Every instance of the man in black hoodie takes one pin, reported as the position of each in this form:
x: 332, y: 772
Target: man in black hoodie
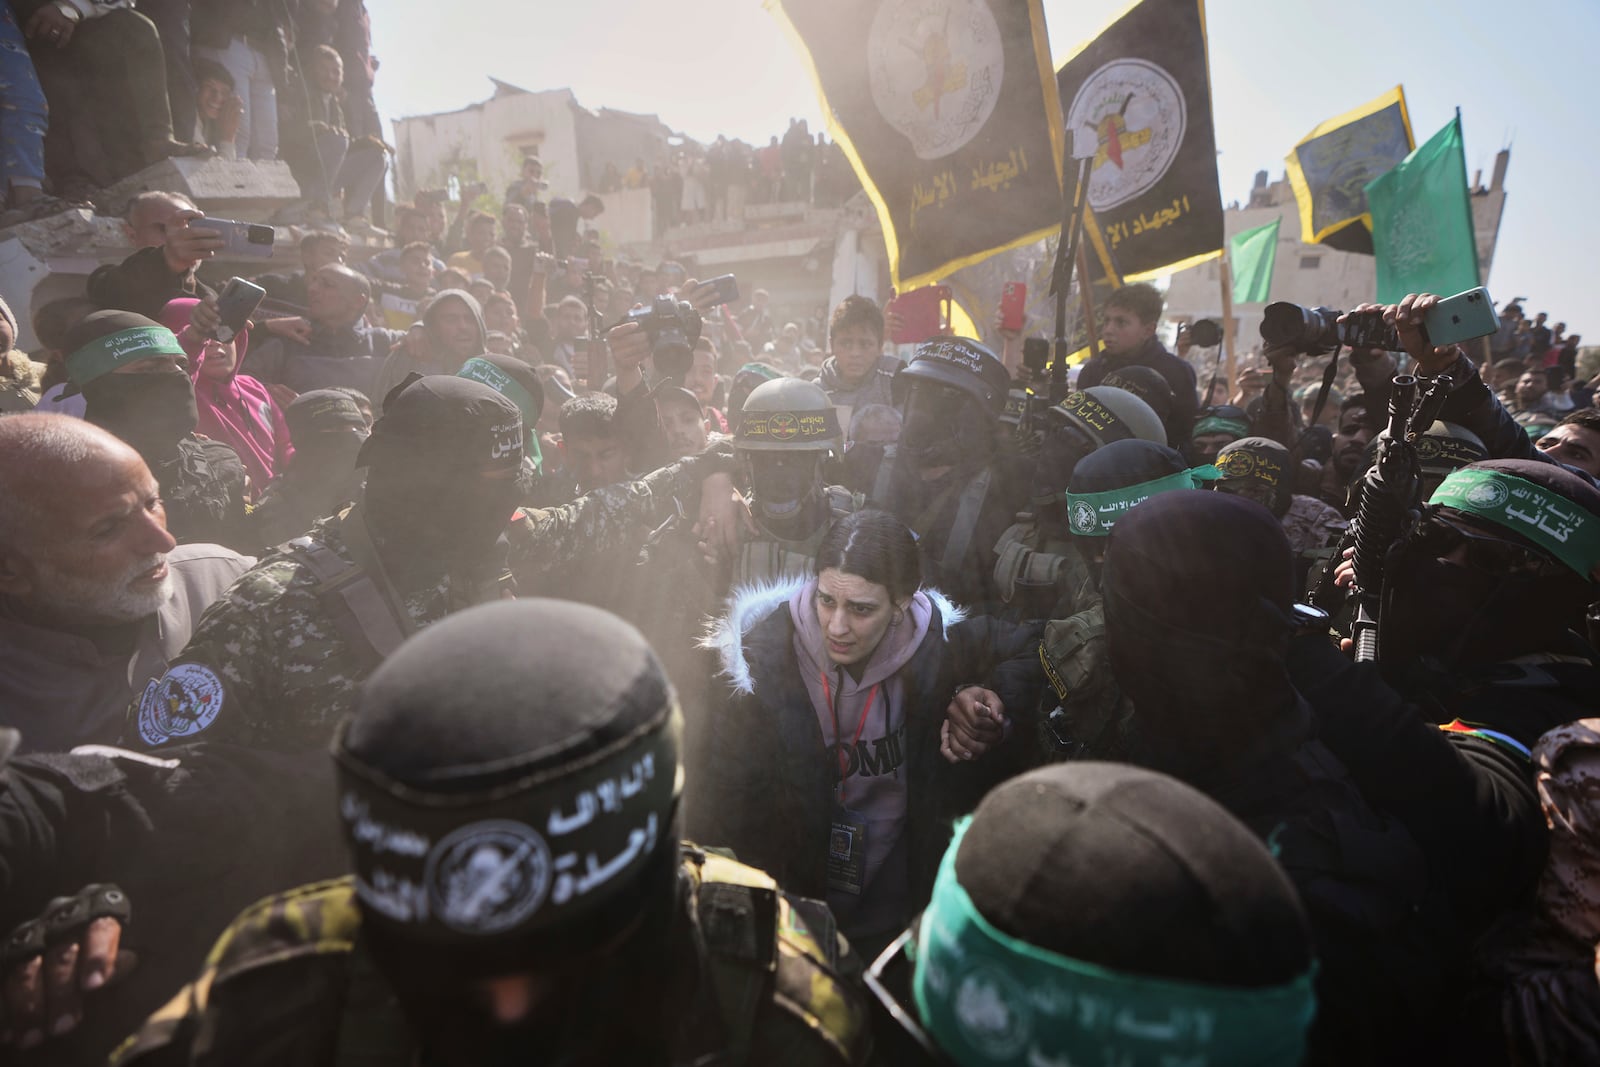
x: 1128, y: 338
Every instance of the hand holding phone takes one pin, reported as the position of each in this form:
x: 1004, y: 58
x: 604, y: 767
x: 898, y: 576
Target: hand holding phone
x: 727, y: 287
x: 1462, y: 317
x: 240, y: 238
x: 237, y: 303
x: 1013, y: 307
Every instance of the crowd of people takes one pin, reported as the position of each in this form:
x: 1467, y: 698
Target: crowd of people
x: 92, y: 91
x: 715, y: 182
x: 1015, y: 717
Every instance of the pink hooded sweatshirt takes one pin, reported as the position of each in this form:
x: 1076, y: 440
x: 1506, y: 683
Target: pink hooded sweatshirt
x: 239, y: 412
x: 873, y: 746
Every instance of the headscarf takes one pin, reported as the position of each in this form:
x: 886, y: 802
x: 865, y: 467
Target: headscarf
x: 238, y: 411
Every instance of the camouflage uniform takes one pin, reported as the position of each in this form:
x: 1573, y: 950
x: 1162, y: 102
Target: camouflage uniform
x: 1050, y: 579
x: 1312, y: 525
x: 270, y: 665
x: 291, y: 981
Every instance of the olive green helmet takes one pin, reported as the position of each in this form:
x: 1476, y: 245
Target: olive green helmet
x: 1109, y: 414
x: 788, y: 415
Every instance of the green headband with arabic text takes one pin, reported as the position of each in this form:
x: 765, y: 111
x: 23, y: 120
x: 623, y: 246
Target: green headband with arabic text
x: 105, y: 354
x: 989, y: 998
x: 1093, y: 514
x: 1549, y: 520
x: 479, y: 369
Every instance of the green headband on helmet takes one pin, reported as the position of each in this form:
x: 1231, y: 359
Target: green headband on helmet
x: 989, y: 998
x: 1549, y: 520
x: 1093, y: 514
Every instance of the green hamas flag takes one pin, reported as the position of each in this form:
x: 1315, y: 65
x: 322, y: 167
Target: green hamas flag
x: 1254, y: 253
x: 1422, y: 221
x: 1142, y: 90
x: 1329, y: 170
x: 947, y: 110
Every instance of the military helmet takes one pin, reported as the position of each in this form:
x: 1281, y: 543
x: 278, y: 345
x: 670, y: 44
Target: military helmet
x: 1108, y: 414
x: 1444, y: 447
x: 960, y: 363
x: 788, y: 415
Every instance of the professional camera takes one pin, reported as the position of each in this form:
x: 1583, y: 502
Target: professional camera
x: 1318, y: 331
x: 673, y: 327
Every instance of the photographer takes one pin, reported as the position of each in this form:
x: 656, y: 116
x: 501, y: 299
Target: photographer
x: 163, y: 268
x: 1471, y: 404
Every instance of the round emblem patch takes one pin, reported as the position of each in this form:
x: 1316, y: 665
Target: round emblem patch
x: 1138, y: 115
x: 783, y: 426
x: 487, y: 877
x: 1488, y: 495
x: 1084, y: 519
x: 180, y: 703
x: 992, y: 1013
x: 935, y: 67
x: 1237, y: 464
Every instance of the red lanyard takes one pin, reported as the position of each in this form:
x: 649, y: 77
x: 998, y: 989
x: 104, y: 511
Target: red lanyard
x: 844, y: 758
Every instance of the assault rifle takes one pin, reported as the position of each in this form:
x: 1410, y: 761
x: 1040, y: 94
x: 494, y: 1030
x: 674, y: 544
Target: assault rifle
x: 1391, y: 500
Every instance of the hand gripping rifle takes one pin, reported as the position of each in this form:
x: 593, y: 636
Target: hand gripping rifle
x: 1391, y: 500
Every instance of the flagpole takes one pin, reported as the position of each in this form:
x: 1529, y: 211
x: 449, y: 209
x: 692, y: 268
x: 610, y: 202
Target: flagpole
x: 1228, y: 353
x: 1091, y: 331
x: 1067, y: 246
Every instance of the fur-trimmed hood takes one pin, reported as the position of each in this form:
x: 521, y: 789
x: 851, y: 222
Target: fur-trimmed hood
x: 750, y: 604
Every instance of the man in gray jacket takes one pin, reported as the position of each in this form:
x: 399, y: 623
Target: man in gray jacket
x: 94, y: 596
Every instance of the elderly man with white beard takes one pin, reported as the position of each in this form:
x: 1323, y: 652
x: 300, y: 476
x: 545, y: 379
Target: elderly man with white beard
x: 94, y: 597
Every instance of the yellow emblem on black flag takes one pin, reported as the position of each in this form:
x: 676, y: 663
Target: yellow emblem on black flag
x: 1142, y: 91
x: 1330, y: 168
x: 947, y: 110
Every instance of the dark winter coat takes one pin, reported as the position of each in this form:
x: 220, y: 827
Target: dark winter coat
x: 770, y: 784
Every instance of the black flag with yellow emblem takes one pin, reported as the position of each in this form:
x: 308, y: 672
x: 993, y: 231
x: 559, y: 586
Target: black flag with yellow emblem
x: 1142, y: 90
x: 947, y: 110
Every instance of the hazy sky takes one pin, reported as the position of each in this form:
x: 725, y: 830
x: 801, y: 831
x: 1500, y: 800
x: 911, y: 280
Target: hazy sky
x: 1278, y: 67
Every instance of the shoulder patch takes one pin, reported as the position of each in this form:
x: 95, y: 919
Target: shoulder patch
x: 180, y: 703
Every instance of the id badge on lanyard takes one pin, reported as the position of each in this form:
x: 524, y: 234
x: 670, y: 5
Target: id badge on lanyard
x: 847, y: 831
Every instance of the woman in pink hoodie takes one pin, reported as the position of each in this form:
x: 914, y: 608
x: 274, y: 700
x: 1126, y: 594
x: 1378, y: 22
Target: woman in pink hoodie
x: 839, y: 760
x: 234, y: 408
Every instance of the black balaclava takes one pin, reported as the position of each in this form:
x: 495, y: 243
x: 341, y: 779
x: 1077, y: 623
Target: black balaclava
x: 787, y: 487
x: 151, y: 412
x: 946, y: 427
x: 1461, y: 616
x: 1259, y: 469
x: 1198, y: 590
x: 509, y: 785
x: 327, y: 429
x: 444, y: 473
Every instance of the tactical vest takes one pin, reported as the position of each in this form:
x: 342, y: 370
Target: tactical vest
x: 1040, y: 581
x: 761, y: 948
x: 969, y: 508
x: 767, y: 558
x: 370, y: 613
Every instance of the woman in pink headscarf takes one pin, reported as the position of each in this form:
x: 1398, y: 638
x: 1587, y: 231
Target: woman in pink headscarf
x: 234, y: 408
